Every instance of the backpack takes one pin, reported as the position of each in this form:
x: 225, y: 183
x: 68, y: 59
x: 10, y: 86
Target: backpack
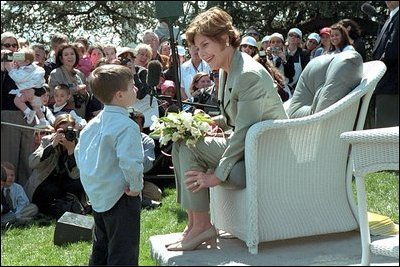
x: 69, y: 203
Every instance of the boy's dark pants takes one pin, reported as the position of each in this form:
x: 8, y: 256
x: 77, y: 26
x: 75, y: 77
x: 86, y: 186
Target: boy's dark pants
x: 116, y: 234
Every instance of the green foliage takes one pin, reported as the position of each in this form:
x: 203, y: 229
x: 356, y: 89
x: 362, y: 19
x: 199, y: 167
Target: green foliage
x: 123, y: 21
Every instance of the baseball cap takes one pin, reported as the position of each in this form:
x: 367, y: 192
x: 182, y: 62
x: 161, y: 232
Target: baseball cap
x: 325, y: 30
x: 249, y: 41
x: 296, y: 31
x: 167, y: 84
x: 314, y: 36
x: 265, y: 39
x: 276, y: 35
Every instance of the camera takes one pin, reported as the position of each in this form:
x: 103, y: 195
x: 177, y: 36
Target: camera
x: 79, y: 100
x: 70, y: 134
x: 13, y: 56
x: 275, y: 49
x: 262, y: 54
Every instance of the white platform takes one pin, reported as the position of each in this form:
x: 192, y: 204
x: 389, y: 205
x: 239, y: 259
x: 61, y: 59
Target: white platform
x: 342, y: 249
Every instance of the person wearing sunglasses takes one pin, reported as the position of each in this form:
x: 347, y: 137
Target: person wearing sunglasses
x: 16, y: 142
x: 298, y: 55
x: 249, y: 45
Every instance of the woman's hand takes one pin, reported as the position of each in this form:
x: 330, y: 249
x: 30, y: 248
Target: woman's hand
x: 197, y: 180
x: 81, y: 89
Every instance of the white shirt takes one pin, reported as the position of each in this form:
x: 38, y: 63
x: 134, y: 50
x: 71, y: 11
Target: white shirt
x: 188, y: 71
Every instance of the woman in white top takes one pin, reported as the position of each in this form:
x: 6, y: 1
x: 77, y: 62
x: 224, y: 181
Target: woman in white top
x: 340, y: 39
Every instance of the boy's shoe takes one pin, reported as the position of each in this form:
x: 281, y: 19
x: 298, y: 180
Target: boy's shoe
x: 30, y: 116
x: 42, y: 124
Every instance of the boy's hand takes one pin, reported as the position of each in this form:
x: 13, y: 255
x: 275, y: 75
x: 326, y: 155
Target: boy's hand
x: 131, y: 193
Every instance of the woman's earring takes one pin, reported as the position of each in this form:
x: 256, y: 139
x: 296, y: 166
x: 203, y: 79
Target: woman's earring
x: 227, y: 44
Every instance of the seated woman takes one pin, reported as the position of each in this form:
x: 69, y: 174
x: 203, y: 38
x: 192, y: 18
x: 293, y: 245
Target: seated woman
x: 248, y: 97
x: 55, y: 173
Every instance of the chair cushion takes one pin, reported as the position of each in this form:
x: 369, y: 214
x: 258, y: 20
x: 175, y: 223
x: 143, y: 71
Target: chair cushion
x: 325, y: 80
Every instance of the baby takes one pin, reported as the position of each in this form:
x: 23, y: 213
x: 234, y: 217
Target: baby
x: 29, y: 79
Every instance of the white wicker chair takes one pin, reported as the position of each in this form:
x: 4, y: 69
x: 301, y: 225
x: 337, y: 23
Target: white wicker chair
x: 297, y: 180
x: 373, y: 150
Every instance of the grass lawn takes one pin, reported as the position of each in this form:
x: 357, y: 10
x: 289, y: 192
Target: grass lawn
x: 33, y: 245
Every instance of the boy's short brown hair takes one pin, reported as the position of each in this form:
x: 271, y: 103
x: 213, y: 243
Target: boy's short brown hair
x: 63, y: 87
x: 108, y: 79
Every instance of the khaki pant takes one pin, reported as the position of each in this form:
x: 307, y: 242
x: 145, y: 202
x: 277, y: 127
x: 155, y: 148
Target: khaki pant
x: 205, y: 155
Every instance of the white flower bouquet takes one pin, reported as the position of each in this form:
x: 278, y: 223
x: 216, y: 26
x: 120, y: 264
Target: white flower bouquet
x: 181, y: 126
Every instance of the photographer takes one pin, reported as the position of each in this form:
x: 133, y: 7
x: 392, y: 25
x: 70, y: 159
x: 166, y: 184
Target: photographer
x: 55, y: 174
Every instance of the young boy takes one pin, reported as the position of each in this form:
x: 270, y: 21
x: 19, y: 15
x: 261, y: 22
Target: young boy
x: 17, y: 201
x: 109, y: 155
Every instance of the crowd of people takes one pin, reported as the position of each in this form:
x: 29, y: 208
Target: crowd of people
x: 77, y: 86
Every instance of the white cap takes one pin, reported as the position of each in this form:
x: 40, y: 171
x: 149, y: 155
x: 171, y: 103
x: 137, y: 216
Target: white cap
x: 314, y: 36
x: 296, y: 31
x: 125, y: 49
x: 265, y: 39
x: 249, y: 41
x: 276, y: 35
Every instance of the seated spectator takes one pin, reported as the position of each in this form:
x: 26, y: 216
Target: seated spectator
x: 55, y: 173
x: 20, y: 208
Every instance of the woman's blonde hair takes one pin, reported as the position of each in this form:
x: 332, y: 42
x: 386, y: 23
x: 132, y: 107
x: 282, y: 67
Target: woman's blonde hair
x: 213, y: 23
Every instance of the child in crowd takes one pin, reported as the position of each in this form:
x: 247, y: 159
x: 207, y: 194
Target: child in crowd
x: 48, y: 114
x: 151, y: 194
x: 110, y: 51
x: 109, y: 155
x: 62, y: 94
x: 15, y: 199
x: 29, y: 79
x: 168, y: 91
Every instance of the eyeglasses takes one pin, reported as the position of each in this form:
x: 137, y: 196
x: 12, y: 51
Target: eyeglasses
x: 294, y: 35
x: 9, y: 45
x: 246, y: 45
